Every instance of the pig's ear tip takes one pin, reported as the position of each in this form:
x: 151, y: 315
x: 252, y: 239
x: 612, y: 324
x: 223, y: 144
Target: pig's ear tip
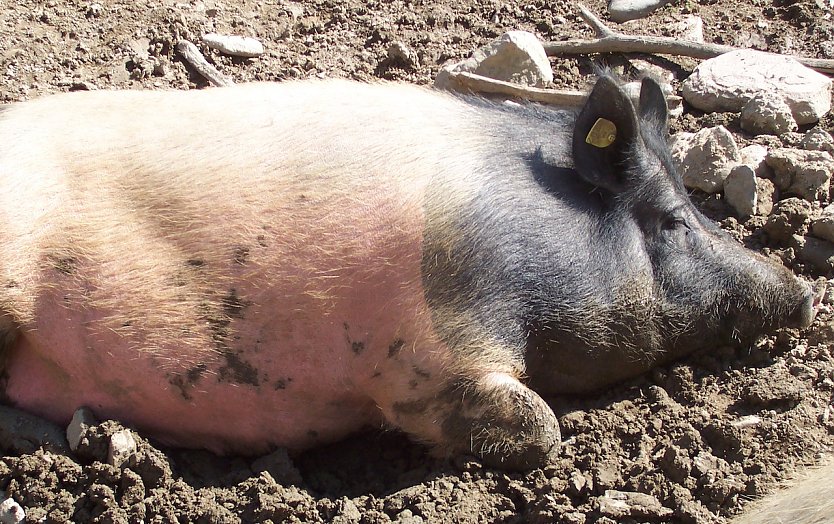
x: 652, y: 105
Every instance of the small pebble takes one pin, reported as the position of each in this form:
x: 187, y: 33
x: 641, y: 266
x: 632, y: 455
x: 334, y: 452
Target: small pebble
x: 234, y: 45
x: 122, y: 447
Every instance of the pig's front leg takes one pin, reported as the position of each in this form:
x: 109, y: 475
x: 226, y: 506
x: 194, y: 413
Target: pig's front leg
x: 494, y: 417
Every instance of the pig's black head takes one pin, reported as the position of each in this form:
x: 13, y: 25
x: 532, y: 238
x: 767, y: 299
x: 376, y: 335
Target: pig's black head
x: 660, y: 279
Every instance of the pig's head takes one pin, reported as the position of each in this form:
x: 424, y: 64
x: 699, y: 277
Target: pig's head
x: 662, y: 280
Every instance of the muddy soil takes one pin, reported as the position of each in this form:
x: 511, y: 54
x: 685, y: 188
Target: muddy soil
x: 682, y: 434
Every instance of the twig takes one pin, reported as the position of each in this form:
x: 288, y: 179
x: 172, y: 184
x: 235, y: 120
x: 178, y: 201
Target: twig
x: 193, y: 56
x: 558, y: 97
x: 482, y: 84
x: 610, y: 41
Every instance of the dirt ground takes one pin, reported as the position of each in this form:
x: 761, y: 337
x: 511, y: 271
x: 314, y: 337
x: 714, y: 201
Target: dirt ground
x: 673, y: 434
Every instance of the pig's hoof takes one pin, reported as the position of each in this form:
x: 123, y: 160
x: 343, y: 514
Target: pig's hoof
x: 506, y: 424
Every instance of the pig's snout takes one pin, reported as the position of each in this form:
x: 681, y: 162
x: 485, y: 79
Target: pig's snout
x: 806, y: 311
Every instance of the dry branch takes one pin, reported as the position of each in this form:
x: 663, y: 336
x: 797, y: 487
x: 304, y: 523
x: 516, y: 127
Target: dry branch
x: 558, y: 97
x: 193, y: 56
x: 610, y: 41
x: 482, y: 84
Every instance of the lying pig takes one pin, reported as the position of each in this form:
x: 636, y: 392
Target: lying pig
x: 282, y: 264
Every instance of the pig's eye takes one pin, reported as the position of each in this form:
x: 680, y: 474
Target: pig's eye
x: 675, y: 224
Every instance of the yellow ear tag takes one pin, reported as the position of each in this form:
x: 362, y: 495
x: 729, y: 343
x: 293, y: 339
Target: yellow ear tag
x: 602, y: 133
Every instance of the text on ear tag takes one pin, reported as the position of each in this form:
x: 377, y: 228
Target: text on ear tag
x: 602, y: 133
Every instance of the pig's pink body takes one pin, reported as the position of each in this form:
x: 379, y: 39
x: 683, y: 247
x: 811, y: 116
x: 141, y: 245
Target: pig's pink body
x: 230, y: 284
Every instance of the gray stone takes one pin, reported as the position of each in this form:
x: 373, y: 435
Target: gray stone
x: 675, y: 103
x: 401, y: 53
x: 754, y: 156
x: 802, y: 173
x: 706, y: 464
x: 823, y: 227
x: 625, y: 10
x: 618, y: 504
x: 280, y: 466
x: 790, y: 216
x: 122, y: 447
x: 727, y: 82
x: 689, y: 27
x: 748, y: 194
x: 82, y: 419
x: 767, y: 114
x: 816, y: 252
x: 656, y: 71
x: 818, y: 139
x: 518, y: 56
x: 10, y: 511
x: 577, y: 483
x: 243, y: 46
x: 706, y: 158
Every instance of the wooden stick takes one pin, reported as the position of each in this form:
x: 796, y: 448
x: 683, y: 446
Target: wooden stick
x: 482, y: 84
x: 193, y: 56
x: 558, y: 97
x: 610, y: 41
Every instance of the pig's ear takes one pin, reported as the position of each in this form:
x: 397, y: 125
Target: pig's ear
x: 602, y: 136
x: 653, y: 107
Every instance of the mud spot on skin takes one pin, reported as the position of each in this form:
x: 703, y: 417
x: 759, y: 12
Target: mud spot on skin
x: 395, y: 347
x: 357, y: 346
x: 185, y: 382
x: 282, y: 383
x: 261, y: 239
x: 237, y: 370
x: 195, y: 262
x: 313, y: 434
x: 376, y: 374
x: 241, y: 255
x: 233, y: 305
x: 65, y: 265
x: 422, y: 373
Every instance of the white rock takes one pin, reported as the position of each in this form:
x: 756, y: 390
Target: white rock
x: 234, y: 45
x: 706, y: 158
x: 577, y: 482
x: 767, y: 114
x: 624, y: 10
x: 280, y: 467
x: 727, y: 82
x: 122, y: 447
x: 748, y: 194
x: 690, y: 27
x: 82, y: 419
x: 11, y: 512
x: 819, y: 140
x: 754, y: 156
x: 675, y: 103
x: 823, y: 227
x: 802, y: 173
x: 400, y: 52
x: 818, y: 253
x: 747, y: 421
x: 618, y: 504
x: 518, y: 56
x: 647, y: 68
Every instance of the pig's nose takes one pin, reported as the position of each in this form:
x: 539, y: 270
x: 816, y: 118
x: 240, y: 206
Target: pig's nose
x: 804, y: 314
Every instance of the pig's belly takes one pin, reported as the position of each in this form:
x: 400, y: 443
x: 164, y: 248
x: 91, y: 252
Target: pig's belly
x: 288, y: 380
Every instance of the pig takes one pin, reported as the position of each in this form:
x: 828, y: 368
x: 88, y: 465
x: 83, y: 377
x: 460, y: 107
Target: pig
x: 808, y: 499
x: 283, y: 264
